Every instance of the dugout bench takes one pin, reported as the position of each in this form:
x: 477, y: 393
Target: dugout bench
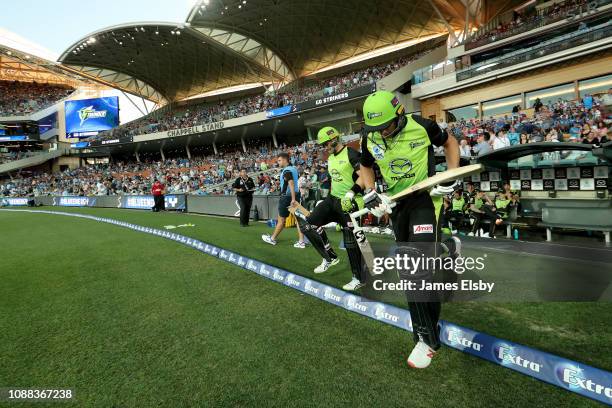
x: 588, y: 219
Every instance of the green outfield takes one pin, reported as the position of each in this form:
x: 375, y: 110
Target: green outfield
x: 132, y: 320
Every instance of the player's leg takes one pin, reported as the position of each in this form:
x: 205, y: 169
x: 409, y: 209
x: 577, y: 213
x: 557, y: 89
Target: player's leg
x: 283, y: 213
x: 301, y: 244
x: 416, y: 229
x: 492, y: 216
x: 312, y: 227
x: 477, y: 219
x: 353, y: 252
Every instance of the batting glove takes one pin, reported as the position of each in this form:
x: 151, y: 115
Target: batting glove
x: 378, y: 204
x: 444, y: 189
x: 347, y: 201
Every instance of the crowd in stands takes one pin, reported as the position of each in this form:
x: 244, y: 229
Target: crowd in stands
x: 223, y: 110
x: 586, y: 121
x: 200, y: 175
x: 527, y: 19
x: 23, y: 98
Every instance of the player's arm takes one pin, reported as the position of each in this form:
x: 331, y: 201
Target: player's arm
x: 366, y: 163
x: 378, y: 204
x: 355, y: 160
x: 290, y: 184
x: 438, y: 137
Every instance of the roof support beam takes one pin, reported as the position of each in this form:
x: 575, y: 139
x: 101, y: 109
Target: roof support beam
x: 450, y: 29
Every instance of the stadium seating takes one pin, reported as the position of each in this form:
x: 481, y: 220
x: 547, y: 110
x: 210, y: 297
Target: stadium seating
x: 24, y: 98
x: 228, y: 109
x: 523, y: 21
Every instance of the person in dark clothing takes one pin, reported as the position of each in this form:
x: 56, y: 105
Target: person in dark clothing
x: 158, y: 190
x: 244, y: 187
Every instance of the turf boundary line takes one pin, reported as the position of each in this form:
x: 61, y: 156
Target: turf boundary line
x: 576, y: 377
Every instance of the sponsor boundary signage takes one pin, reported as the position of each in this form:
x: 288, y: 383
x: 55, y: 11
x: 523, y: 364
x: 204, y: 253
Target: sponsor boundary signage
x: 570, y: 375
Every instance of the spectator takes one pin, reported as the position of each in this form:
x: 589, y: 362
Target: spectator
x: 324, y: 182
x: 501, y: 140
x: 483, y: 146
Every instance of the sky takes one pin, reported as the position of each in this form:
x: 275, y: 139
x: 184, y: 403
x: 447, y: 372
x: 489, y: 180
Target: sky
x: 56, y: 24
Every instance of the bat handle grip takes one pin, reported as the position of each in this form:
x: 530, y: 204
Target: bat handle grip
x: 359, y: 213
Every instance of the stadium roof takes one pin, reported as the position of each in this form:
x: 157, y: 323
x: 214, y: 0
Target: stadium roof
x: 23, y: 60
x: 162, y: 61
x: 227, y: 43
x: 308, y: 36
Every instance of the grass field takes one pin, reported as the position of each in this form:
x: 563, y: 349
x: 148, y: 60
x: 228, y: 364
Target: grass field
x: 132, y: 320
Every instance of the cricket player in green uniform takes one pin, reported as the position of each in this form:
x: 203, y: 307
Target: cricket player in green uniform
x: 345, y: 196
x: 402, y: 146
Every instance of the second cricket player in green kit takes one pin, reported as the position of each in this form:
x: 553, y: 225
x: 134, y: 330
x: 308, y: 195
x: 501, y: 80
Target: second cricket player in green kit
x: 345, y: 196
x: 402, y: 146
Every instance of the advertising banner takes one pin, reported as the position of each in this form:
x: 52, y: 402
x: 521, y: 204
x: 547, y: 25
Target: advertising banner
x: 88, y: 117
x: 145, y: 202
x: 284, y: 110
x: 339, y: 97
x: 74, y: 201
x: 116, y: 140
x: 17, y: 201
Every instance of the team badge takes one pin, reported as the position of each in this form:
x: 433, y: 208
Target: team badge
x: 378, y: 153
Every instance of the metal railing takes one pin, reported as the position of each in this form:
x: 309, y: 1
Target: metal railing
x: 555, y: 45
x: 540, y: 21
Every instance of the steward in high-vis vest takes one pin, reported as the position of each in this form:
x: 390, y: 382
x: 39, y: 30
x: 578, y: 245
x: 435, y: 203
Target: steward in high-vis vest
x: 402, y: 146
x: 345, y: 196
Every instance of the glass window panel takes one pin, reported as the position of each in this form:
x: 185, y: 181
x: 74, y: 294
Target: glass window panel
x: 466, y: 112
x: 500, y: 106
x: 551, y: 95
x: 595, y: 86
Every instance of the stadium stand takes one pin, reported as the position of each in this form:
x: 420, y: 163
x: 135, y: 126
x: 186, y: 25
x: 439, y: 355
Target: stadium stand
x: 562, y: 120
x: 526, y: 19
x: 23, y: 98
x: 199, y: 175
x: 291, y: 94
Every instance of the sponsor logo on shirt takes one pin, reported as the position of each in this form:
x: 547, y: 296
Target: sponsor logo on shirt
x: 423, y: 229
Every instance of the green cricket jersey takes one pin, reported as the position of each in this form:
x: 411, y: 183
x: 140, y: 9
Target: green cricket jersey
x: 341, y: 167
x: 458, y: 204
x: 406, y: 159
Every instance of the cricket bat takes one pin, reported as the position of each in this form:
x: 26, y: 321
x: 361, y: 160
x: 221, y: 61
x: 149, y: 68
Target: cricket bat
x: 445, y: 176
x: 299, y: 211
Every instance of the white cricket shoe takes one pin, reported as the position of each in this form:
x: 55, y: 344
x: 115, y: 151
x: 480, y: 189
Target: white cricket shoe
x: 485, y: 235
x: 421, y: 355
x: 300, y: 245
x: 326, y: 265
x: 268, y: 239
x: 470, y: 234
x: 354, y: 284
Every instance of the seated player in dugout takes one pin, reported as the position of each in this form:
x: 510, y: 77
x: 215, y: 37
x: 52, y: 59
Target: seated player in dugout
x: 402, y: 146
x: 345, y: 197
